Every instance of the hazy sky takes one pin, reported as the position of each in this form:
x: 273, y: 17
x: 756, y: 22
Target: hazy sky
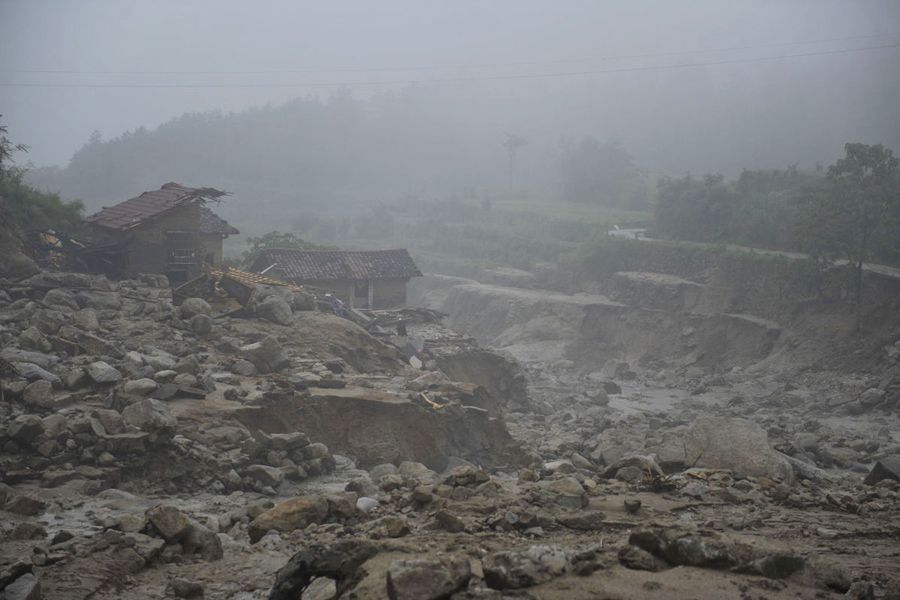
x: 320, y: 44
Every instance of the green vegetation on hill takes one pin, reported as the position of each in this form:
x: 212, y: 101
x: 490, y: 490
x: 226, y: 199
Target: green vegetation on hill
x: 849, y: 212
x: 31, y: 209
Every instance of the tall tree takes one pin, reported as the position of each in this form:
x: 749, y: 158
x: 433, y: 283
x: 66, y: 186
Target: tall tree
x: 7, y: 148
x: 856, y: 209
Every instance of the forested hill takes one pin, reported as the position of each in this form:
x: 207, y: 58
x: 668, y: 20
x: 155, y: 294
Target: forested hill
x: 434, y: 141
x: 307, y: 151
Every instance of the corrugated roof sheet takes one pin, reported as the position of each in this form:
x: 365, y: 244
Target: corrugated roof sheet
x: 252, y: 279
x: 306, y: 265
x: 135, y: 211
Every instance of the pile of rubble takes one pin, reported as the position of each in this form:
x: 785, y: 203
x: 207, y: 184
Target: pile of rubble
x: 195, y: 448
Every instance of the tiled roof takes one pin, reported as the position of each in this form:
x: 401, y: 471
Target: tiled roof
x: 210, y: 222
x: 306, y: 265
x: 135, y: 211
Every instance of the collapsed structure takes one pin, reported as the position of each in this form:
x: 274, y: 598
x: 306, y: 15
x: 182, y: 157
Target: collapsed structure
x: 170, y: 231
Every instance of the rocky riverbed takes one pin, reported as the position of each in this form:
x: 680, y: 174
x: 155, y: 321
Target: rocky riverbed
x: 152, y: 450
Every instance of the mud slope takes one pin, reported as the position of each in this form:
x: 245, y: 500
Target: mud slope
x: 653, y: 318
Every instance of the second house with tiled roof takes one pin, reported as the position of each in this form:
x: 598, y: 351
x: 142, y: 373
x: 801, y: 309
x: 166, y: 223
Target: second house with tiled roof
x: 361, y: 278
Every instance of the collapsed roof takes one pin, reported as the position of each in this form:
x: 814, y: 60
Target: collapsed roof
x: 136, y: 211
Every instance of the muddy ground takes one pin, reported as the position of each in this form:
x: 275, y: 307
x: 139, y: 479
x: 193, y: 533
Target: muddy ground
x: 608, y: 444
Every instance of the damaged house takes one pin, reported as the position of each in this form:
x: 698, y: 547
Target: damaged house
x: 361, y: 278
x: 170, y: 231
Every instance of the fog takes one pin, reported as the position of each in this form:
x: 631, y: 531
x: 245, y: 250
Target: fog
x: 411, y: 97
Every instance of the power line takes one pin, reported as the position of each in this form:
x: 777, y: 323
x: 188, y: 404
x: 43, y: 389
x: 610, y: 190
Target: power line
x: 445, y: 67
x: 450, y: 79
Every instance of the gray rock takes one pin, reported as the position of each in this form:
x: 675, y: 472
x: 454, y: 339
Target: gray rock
x: 630, y: 474
x: 91, y: 344
x: 16, y: 355
x: 588, y: 520
x: 736, y: 444
x: 33, y: 372
x: 150, y: 415
x: 379, y: 471
x: 886, y: 468
x: 558, y: 466
x: 98, y: 299
x: 25, y: 428
x: 171, y: 524
x: 295, y: 513
x: 76, y: 378
x: 86, y: 319
x: 165, y: 376
x: 49, y: 321
x: 39, y: 394
x: 26, y: 587
x: 61, y: 298
x: 416, y: 471
x: 244, y: 367
x: 285, y: 441
x: 267, y: 355
x: 182, y: 588
x: 316, y: 450
x: 513, y: 569
x: 24, y: 504
x: 185, y: 380
x: 567, y: 492
x: 188, y: 364
x: 160, y: 361
x: 201, y: 324
x: 639, y: 559
x: 203, y: 541
x: 449, y: 521
x: 275, y: 309
x: 139, y: 387
x: 194, y: 306
x: 303, y: 301
x: 366, y: 504
x: 101, y: 372
x: 111, y: 420
x: 265, y: 475
x: 32, y: 339
x: 427, y: 579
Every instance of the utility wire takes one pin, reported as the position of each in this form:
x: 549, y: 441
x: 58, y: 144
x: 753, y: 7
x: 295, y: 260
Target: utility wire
x: 546, y: 75
x: 446, y: 67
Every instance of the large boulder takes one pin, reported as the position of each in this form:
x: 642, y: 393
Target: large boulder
x: 296, y: 513
x: 886, y: 468
x: 427, y: 579
x: 39, y: 394
x: 99, y: 299
x: 339, y: 562
x: 171, y: 524
x: 738, y: 445
x: 512, y: 569
x: 266, y: 355
x: 26, y: 587
x: 150, y: 415
x: 101, y: 372
x: 275, y: 309
x: 194, y: 306
x: 25, y: 428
